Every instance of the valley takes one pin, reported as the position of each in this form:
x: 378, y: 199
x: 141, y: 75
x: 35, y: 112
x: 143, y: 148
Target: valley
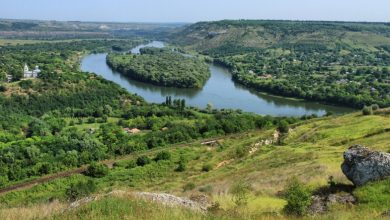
x: 259, y: 130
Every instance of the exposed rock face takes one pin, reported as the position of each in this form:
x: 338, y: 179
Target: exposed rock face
x: 320, y: 203
x: 362, y: 165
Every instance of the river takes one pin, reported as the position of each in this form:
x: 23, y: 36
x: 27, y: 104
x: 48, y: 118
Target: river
x: 220, y: 91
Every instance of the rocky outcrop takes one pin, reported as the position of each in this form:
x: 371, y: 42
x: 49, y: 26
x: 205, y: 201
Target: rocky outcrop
x: 171, y: 200
x: 362, y: 165
x: 321, y: 203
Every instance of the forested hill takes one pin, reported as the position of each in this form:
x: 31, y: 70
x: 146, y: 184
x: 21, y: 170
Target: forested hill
x: 251, y: 34
x: 333, y: 62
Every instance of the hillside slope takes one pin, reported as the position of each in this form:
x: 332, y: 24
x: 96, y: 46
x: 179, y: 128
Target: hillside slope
x: 311, y: 152
x: 335, y: 62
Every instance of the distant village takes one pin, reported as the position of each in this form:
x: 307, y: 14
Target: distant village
x: 27, y: 73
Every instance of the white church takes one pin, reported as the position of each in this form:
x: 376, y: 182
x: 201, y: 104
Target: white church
x: 31, y: 74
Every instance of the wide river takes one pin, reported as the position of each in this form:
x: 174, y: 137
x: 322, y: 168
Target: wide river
x: 220, y: 91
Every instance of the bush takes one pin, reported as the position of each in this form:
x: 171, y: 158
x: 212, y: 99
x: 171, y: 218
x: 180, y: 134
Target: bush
x: 207, y: 167
x: 188, y: 187
x: 240, y: 152
x: 240, y: 192
x: 3, y: 88
x: 80, y: 189
x: 206, y: 189
x: 375, y: 107
x: 298, y: 198
x: 97, y: 170
x: 131, y: 164
x: 367, y: 110
x: 143, y: 160
x: 91, y: 120
x: 283, y: 126
x: 163, y: 155
x: 182, y: 165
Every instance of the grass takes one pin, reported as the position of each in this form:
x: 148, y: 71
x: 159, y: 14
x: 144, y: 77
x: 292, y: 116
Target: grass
x: 311, y: 152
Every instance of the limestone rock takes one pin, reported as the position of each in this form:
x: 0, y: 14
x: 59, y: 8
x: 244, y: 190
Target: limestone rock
x: 362, y: 165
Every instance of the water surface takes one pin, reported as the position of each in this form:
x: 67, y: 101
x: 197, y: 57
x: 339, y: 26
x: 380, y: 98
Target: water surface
x: 219, y: 90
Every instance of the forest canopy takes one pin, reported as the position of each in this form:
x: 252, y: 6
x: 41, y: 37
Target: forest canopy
x: 161, y: 67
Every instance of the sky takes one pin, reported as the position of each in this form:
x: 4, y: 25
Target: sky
x: 195, y: 10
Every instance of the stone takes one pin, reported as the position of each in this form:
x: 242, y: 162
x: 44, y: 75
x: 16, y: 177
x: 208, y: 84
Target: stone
x: 320, y: 203
x: 362, y: 165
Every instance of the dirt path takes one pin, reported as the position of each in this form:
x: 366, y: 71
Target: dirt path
x: 109, y: 163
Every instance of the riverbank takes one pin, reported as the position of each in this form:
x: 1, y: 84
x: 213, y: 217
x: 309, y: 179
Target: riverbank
x: 220, y: 91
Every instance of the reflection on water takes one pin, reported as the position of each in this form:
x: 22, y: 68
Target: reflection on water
x: 219, y: 90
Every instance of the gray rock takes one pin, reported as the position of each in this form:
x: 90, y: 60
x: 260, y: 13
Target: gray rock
x: 362, y: 165
x: 320, y: 203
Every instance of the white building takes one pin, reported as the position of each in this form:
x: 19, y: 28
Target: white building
x: 31, y: 74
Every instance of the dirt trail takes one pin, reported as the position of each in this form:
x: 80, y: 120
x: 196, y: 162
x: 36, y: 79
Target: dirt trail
x: 109, y: 163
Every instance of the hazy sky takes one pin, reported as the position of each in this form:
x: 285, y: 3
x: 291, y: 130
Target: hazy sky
x: 195, y: 10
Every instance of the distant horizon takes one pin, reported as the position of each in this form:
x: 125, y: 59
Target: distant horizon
x: 183, y: 22
x: 191, y: 11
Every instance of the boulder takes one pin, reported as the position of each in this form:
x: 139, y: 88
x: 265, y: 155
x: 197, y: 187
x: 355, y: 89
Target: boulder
x: 362, y: 165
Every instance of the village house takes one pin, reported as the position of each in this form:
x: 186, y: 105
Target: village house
x: 31, y: 74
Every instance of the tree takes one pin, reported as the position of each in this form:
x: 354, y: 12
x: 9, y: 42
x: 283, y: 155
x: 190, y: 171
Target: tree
x: 143, y: 160
x: 97, y: 170
x: 163, y: 155
x: 283, y: 126
x: 183, y: 104
x: 367, y: 110
x: 209, y: 107
x: 107, y: 110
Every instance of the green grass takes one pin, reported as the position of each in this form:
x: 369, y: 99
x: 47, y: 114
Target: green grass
x: 312, y: 152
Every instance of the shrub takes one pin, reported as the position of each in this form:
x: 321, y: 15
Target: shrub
x: 240, y: 192
x: 367, y: 110
x: 80, y: 189
x: 143, y: 160
x: 207, y: 167
x: 240, y: 152
x: 188, y: 187
x: 3, y: 180
x: 163, y: 155
x: 182, y: 165
x: 206, y: 189
x: 97, y: 170
x: 91, y: 120
x: 283, y: 126
x: 298, y: 198
x: 3, y: 88
x: 375, y: 107
x: 131, y: 164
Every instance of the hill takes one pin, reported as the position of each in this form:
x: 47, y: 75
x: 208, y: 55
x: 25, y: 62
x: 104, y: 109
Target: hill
x: 335, y: 62
x: 312, y: 151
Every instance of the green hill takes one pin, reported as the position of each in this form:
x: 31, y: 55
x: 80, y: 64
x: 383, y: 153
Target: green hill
x: 312, y: 151
x: 335, y: 62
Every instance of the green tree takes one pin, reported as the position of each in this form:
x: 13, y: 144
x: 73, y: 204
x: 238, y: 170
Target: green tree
x: 97, y: 170
x: 143, y: 160
x: 163, y: 155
